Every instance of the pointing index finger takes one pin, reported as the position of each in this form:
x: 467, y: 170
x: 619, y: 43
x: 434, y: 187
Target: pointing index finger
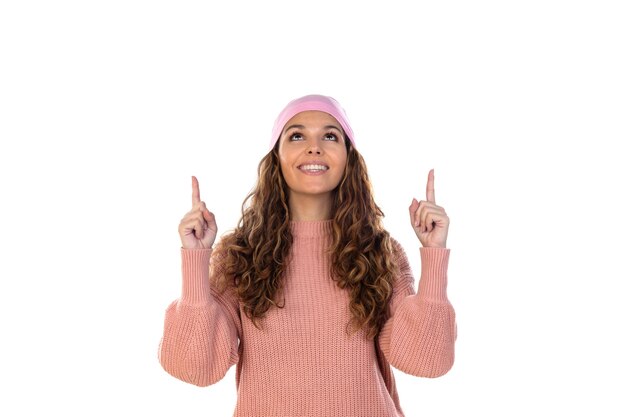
x: 430, y: 186
x: 195, y: 191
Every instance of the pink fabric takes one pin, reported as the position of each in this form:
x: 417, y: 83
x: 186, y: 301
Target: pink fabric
x: 312, y: 102
x: 301, y: 362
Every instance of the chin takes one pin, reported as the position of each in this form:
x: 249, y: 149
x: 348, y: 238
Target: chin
x: 312, y: 192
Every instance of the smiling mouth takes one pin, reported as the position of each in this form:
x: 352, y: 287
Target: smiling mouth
x: 313, y: 167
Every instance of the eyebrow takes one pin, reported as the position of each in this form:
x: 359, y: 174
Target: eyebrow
x: 304, y: 127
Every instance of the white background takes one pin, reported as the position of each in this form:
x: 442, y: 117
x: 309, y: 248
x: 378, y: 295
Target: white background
x: 108, y: 108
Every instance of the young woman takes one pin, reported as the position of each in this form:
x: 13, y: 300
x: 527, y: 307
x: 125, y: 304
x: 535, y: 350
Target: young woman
x: 309, y: 295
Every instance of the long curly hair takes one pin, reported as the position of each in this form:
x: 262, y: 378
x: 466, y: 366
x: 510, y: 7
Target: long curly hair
x: 253, y: 257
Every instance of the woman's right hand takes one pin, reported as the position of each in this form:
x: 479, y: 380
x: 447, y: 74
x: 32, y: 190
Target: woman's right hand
x: 198, y: 228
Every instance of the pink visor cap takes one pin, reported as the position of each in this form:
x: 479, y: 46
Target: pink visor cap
x: 312, y: 102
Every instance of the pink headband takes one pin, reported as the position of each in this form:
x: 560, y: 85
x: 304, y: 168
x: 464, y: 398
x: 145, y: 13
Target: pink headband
x: 311, y: 102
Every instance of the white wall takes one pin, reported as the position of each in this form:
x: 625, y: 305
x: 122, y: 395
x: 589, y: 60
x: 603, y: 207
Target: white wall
x: 108, y: 108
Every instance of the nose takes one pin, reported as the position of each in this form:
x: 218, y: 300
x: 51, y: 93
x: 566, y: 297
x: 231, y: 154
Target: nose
x: 314, y: 148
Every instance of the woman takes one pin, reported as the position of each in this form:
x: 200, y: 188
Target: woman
x: 309, y: 295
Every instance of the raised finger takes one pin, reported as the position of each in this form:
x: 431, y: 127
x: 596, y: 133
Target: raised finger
x: 430, y: 186
x: 199, y: 207
x: 195, y: 191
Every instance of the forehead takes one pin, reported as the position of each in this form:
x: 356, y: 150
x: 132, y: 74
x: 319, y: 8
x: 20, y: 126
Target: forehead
x: 312, y: 118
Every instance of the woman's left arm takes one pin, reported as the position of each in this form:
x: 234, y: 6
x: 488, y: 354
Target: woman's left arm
x: 419, y: 336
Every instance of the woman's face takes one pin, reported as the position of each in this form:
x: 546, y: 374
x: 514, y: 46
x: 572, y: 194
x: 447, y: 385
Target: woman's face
x: 312, y: 152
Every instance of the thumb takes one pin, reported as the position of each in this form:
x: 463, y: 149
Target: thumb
x: 208, y: 216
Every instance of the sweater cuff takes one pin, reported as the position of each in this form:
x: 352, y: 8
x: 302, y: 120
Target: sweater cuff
x: 195, y: 268
x: 433, y: 283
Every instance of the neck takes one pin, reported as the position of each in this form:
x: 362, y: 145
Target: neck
x: 309, y: 207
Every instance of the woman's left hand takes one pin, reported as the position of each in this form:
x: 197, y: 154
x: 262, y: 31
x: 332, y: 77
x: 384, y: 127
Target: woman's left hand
x: 430, y: 221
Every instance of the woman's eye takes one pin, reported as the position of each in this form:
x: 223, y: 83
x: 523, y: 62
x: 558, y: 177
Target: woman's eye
x: 330, y: 136
x: 296, y: 136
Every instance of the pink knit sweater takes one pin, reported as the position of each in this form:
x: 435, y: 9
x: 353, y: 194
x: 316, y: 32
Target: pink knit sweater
x: 301, y: 362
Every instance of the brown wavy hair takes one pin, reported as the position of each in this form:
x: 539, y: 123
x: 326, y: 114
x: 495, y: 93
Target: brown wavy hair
x: 253, y: 257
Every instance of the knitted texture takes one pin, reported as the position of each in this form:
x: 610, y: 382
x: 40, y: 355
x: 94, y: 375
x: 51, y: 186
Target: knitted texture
x: 301, y: 362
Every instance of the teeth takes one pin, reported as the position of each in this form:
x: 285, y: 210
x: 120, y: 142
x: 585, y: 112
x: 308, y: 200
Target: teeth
x: 314, y: 167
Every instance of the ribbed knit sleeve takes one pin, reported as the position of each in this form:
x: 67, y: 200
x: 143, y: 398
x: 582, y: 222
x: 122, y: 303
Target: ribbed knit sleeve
x: 202, y: 328
x: 419, y: 337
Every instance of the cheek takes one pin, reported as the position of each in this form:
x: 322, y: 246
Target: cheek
x: 341, y: 160
x: 340, y: 170
x: 282, y: 162
x: 285, y: 169
x: 345, y: 161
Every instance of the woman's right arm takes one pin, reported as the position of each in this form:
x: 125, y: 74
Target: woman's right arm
x: 202, y: 328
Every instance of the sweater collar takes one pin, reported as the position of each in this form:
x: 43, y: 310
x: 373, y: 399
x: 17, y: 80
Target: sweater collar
x: 311, y: 228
